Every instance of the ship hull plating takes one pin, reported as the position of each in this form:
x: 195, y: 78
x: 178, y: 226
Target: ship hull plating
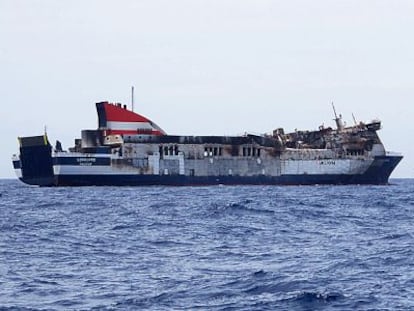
x: 377, y: 174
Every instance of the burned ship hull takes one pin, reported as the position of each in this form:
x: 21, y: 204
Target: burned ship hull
x: 128, y: 149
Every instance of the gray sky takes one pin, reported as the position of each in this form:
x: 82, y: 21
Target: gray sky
x: 208, y: 67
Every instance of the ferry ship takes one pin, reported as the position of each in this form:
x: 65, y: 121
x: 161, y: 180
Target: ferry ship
x: 128, y: 149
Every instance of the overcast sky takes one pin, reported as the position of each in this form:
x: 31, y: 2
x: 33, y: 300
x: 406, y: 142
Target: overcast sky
x: 208, y: 67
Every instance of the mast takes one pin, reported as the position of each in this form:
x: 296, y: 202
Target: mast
x: 132, y: 98
x: 338, y: 119
x: 355, y: 121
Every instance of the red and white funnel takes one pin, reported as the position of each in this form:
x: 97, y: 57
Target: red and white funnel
x: 116, y: 119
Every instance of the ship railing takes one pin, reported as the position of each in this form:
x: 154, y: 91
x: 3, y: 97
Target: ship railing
x: 393, y: 154
x: 79, y: 154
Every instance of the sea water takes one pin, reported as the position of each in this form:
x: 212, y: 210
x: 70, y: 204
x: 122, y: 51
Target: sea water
x: 207, y: 248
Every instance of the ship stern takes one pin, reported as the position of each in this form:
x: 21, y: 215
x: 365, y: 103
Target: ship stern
x: 34, y: 164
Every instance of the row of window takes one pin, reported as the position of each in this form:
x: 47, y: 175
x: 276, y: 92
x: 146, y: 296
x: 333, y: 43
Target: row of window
x: 168, y: 150
x: 211, y: 151
x: 246, y: 152
x: 251, y: 152
x: 356, y: 152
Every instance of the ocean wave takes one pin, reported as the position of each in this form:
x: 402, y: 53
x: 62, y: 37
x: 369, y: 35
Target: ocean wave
x: 314, y: 298
x: 207, y: 248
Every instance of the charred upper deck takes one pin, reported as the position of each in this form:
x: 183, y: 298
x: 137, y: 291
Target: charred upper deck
x: 352, y: 140
x: 119, y: 126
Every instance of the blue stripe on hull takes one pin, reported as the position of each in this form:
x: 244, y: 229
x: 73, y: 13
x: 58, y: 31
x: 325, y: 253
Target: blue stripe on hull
x: 151, y: 180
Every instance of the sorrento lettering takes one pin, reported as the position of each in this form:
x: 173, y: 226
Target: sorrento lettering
x: 86, y: 161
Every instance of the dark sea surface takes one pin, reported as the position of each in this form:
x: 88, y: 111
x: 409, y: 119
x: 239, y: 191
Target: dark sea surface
x: 207, y: 248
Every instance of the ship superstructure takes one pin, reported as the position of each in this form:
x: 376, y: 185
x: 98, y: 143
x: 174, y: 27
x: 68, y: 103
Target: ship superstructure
x: 130, y: 149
